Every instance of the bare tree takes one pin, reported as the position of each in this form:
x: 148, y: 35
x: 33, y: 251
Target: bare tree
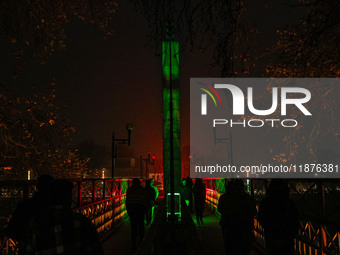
x: 311, y: 49
x: 38, y: 28
x: 35, y: 136
x: 217, y: 25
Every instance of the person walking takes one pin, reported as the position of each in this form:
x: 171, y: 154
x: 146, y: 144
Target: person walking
x: 136, y: 206
x: 279, y: 218
x: 185, y: 192
x: 190, y: 186
x: 199, y: 200
x: 29, y: 208
x: 237, y: 218
x: 150, y: 201
x: 60, y: 230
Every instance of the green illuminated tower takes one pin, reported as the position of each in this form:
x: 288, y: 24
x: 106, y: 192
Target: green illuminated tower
x: 171, y: 122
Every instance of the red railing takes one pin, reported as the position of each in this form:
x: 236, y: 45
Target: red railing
x: 101, y: 200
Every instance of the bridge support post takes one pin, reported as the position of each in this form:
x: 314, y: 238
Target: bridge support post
x: 171, y: 116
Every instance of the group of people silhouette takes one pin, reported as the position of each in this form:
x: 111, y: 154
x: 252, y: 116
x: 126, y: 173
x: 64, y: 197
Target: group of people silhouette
x: 45, y: 224
x: 194, y: 194
x: 140, y: 202
x: 277, y: 214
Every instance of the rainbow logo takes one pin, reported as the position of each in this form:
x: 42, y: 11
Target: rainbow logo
x: 209, y: 93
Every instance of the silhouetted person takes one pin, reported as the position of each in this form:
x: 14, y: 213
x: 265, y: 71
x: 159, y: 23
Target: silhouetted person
x: 237, y: 218
x: 150, y: 200
x: 27, y: 209
x: 185, y: 191
x: 135, y: 206
x: 279, y: 217
x: 157, y: 194
x: 155, y: 188
x: 199, y: 200
x: 190, y: 184
x: 60, y: 230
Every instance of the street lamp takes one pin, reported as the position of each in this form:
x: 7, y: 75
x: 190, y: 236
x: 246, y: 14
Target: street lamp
x: 147, y: 161
x: 129, y: 128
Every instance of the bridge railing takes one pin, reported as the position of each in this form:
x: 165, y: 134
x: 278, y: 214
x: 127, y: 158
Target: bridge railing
x: 317, y: 235
x: 101, y: 200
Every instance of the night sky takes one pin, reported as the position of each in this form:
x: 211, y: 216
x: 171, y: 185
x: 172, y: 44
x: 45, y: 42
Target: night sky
x: 106, y: 83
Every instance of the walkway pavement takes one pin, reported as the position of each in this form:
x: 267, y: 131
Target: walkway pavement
x: 119, y: 242
x: 210, y: 233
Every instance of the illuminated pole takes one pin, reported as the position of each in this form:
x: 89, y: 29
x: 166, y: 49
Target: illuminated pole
x: 171, y: 116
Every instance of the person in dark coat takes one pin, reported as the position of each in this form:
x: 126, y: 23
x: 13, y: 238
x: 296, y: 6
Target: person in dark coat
x: 29, y: 208
x: 185, y: 191
x: 279, y: 218
x: 59, y: 229
x: 237, y: 210
x: 199, y: 200
x: 136, y: 206
x: 150, y: 200
x: 190, y: 186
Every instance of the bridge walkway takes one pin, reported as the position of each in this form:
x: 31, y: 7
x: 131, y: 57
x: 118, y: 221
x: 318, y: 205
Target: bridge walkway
x: 119, y: 242
x: 210, y: 233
